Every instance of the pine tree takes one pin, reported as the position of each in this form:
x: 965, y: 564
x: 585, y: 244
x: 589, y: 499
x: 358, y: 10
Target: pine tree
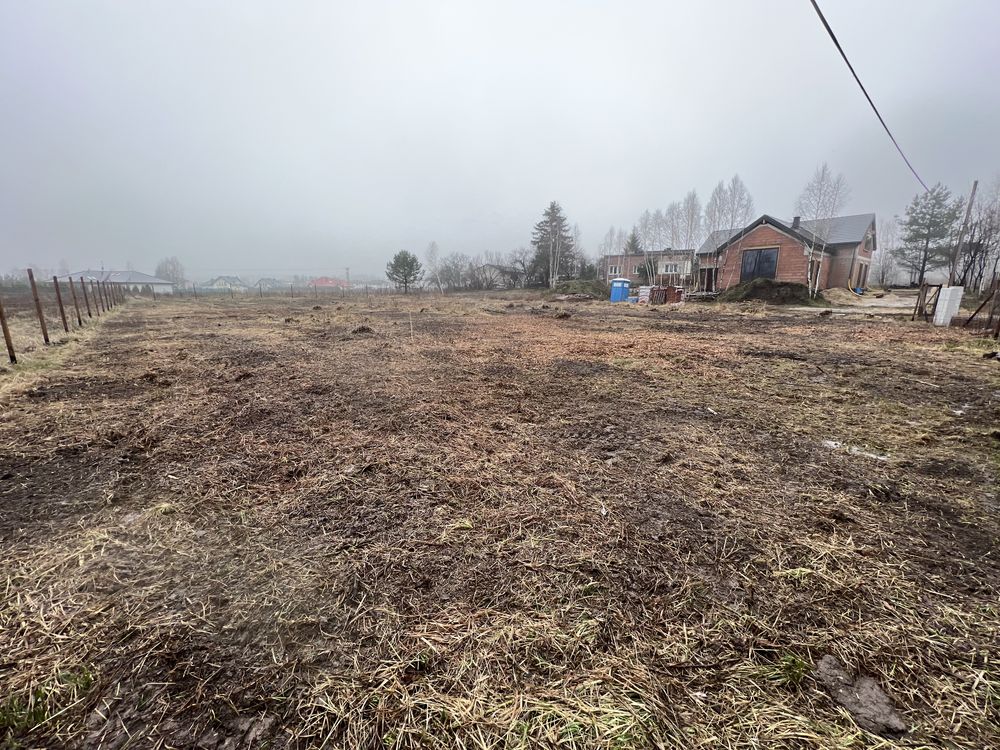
x: 404, y: 270
x: 553, y: 245
x: 633, y: 246
x: 927, y: 231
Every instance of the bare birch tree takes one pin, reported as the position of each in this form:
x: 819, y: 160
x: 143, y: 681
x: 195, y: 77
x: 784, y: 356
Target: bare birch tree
x: 674, y: 221
x: 715, y: 211
x: 432, y: 260
x: 884, y: 260
x: 691, y: 227
x: 737, y: 212
x: 979, y: 255
x: 821, y: 200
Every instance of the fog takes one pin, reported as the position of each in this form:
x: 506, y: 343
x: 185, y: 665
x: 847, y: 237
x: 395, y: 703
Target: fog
x: 292, y: 137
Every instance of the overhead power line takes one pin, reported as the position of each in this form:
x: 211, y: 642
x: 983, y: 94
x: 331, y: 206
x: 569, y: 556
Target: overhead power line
x: 865, y: 92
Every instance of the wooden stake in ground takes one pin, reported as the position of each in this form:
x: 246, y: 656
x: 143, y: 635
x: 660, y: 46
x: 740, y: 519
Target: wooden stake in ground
x: 62, y: 310
x: 94, y: 295
x: 76, y: 305
x: 6, y: 336
x: 86, y: 299
x: 38, y: 306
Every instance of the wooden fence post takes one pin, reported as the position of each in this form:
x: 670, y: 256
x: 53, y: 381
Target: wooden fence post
x: 6, y: 336
x: 86, y: 299
x: 76, y: 305
x: 62, y: 310
x: 95, y: 296
x: 107, y: 297
x: 38, y: 306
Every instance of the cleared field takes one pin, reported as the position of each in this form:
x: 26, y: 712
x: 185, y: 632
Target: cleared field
x: 481, y: 523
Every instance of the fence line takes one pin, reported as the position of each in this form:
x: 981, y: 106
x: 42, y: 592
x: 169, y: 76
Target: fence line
x: 21, y: 301
x: 40, y: 300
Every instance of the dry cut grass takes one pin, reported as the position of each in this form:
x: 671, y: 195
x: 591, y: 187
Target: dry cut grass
x: 260, y: 524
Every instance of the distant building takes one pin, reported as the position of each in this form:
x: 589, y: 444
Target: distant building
x: 225, y: 283
x: 668, y: 267
x: 839, y: 250
x: 268, y: 283
x: 327, y: 282
x: 134, y: 280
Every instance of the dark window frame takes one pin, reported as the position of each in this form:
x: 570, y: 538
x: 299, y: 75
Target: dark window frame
x: 755, y: 269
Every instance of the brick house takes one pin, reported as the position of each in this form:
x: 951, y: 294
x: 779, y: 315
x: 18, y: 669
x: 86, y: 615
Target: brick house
x: 790, y: 251
x: 668, y: 266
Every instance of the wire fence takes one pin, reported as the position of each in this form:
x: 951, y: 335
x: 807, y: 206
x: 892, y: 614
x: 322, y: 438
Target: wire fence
x: 38, y: 312
x: 42, y: 312
x: 288, y: 290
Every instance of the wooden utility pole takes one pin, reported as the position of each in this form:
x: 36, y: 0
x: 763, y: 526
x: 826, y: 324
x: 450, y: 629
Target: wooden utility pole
x: 961, y: 234
x: 62, y: 310
x: 6, y: 336
x: 38, y: 306
x: 76, y: 305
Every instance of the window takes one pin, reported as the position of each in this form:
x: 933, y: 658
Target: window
x: 636, y: 269
x: 759, y: 264
x: 670, y: 267
x: 614, y: 270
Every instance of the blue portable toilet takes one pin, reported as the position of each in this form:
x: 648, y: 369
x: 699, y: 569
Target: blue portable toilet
x: 619, y: 290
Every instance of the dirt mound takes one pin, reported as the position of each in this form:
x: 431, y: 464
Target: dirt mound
x: 594, y: 288
x: 772, y: 292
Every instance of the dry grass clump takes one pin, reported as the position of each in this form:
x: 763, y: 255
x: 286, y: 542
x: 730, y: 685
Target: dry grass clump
x: 243, y: 524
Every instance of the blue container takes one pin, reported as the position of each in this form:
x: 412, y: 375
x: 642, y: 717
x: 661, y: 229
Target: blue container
x: 619, y: 290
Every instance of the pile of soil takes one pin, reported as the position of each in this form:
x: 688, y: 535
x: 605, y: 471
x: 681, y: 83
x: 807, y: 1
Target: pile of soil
x: 594, y: 288
x: 772, y: 292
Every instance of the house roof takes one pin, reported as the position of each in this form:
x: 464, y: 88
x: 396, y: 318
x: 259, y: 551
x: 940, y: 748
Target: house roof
x: 327, y: 281
x: 118, y: 277
x: 840, y: 230
x: 232, y: 280
x: 714, y: 239
x: 667, y: 252
x: 843, y: 229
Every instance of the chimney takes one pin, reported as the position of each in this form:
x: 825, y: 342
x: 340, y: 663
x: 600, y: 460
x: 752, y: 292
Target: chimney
x: 795, y: 222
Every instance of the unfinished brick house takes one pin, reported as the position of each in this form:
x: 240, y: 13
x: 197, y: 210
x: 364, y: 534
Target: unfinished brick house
x: 839, y: 249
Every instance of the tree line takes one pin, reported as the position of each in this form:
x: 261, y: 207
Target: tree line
x: 926, y: 238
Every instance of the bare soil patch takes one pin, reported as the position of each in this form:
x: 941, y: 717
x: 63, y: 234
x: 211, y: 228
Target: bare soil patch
x: 620, y: 529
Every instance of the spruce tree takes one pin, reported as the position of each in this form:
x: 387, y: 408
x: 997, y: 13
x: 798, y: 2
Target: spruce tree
x: 553, y: 244
x: 404, y: 270
x: 927, y: 231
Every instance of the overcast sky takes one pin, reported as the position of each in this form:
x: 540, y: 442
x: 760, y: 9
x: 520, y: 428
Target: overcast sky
x: 302, y: 137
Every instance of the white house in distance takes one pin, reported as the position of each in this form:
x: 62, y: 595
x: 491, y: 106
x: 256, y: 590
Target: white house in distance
x: 134, y: 280
x: 225, y: 283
